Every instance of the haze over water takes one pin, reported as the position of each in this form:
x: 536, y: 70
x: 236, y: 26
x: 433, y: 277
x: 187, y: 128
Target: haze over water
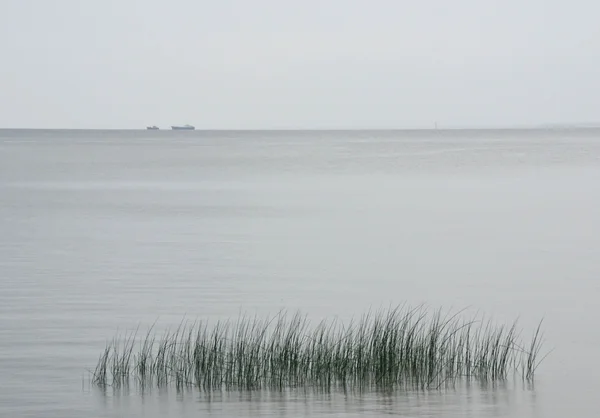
x: 105, y: 230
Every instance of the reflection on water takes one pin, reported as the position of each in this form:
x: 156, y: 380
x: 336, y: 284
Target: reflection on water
x: 466, y: 400
x: 106, y: 230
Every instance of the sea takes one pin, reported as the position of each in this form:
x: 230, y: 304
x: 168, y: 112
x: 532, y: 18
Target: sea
x: 104, y: 231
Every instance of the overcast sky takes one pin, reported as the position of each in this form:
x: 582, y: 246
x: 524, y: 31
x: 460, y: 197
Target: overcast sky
x: 298, y: 64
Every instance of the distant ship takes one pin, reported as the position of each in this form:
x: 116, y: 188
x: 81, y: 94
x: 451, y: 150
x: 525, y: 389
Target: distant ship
x: 184, y: 128
x: 152, y: 128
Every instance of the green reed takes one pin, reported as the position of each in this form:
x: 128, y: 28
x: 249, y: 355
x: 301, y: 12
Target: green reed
x: 387, y: 349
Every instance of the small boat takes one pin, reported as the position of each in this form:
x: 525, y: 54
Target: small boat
x: 183, y: 128
x: 152, y: 128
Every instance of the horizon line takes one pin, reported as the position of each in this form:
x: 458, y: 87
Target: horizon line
x: 421, y: 128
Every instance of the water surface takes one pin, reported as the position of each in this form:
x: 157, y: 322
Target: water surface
x: 104, y: 230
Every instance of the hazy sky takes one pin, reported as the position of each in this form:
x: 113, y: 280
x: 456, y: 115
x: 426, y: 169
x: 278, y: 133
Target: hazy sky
x: 298, y: 64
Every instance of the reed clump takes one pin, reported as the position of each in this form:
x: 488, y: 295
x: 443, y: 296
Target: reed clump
x: 401, y: 347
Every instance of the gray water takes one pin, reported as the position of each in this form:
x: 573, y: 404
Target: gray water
x: 106, y: 230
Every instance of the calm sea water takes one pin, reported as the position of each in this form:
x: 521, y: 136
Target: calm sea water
x: 105, y: 230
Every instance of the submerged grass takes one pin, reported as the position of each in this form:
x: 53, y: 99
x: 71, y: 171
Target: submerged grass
x: 388, y: 349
